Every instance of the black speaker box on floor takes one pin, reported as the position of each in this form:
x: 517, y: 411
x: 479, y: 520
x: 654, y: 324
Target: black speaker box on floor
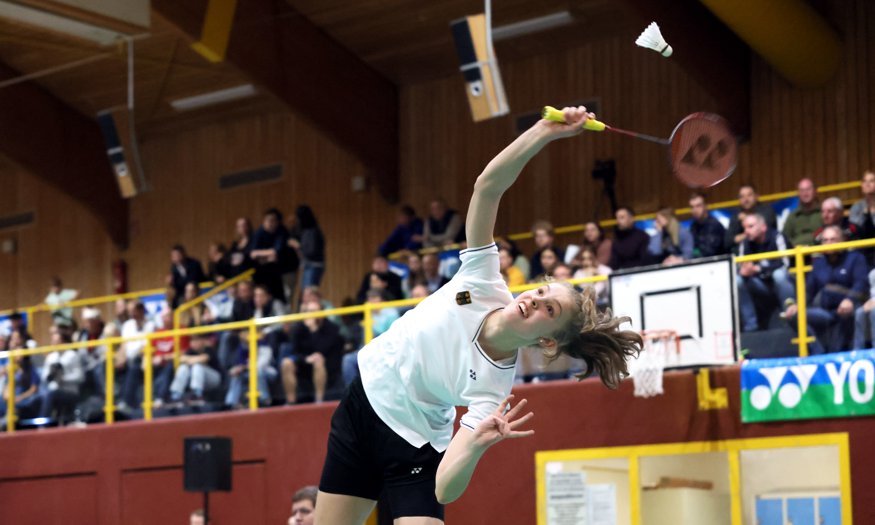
x: 207, y: 464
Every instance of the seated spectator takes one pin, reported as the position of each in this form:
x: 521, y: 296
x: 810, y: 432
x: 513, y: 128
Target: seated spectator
x: 671, y: 243
x: 304, y: 506
x: 129, y: 361
x: 219, y: 268
x: 267, y: 306
x: 121, y: 313
x: 312, y: 294
x: 353, y: 336
x: 762, y: 285
x: 519, y: 259
x: 443, y: 226
x: 380, y: 266
x: 594, y: 239
x: 239, y: 259
x: 312, y: 356
x: 266, y: 372
x: 805, y: 219
x: 183, y: 270
x: 16, y: 325
x: 383, y: 317
x: 276, y: 264
x: 548, y: 262
x: 63, y: 376
x: 629, y: 248
x: 197, y: 517
x: 561, y: 272
x: 198, y: 371
x: 414, y: 274
x: 862, y: 214
x: 835, y: 287
x: 431, y: 272
x: 306, y: 238
x: 709, y: 236
x: 544, y: 238
x: 407, y: 234
x: 27, y: 381
x: 833, y: 214
x: 162, y: 359
x: 93, y: 358
x: 242, y: 309
x: 59, y: 295
x: 589, y: 266
x: 749, y: 204
x: 194, y: 316
x: 512, y: 275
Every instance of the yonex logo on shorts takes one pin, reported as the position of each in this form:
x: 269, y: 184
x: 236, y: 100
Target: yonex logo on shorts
x: 416, y: 470
x: 472, y: 374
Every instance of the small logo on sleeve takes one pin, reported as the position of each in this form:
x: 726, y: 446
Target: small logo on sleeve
x: 463, y: 298
x: 472, y: 374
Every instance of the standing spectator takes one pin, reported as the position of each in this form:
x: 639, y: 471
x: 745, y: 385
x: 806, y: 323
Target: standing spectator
x: 312, y: 356
x: 380, y: 266
x: 304, y: 506
x: 805, y: 219
x: 219, y: 267
x: 544, y: 237
x: 443, y: 227
x: 749, y: 203
x: 407, y: 234
x: 130, y: 360
x: 183, y: 270
x: 589, y: 266
x: 198, y: 371
x: 762, y: 285
x: 671, y: 243
x: 27, y: 381
x: 594, y: 239
x: 63, y: 377
x: 629, y: 248
x: 835, y: 287
x: 307, y: 240
x: 273, y: 260
x: 431, y: 272
x: 862, y: 214
x: 833, y: 214
x: 512, y: 275
x: 59, y: 295
x: 239, y: 258
x: 709, y: 236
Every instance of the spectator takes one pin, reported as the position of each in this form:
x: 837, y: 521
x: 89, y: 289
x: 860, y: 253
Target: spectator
x: 198, y: 371
x: 121, y: 313
x: 561, y: 272
x: 130, y: 361
x: 414, y: 274
x: 242, y: 309
x: 59, y: 295
x: 266, y: 372
x: 354, y: 337
x: 93, y: 358
x: 748, y: 204
x: 862, y: 214
x: 513, y: 276
x: 197, y: 518
x: 443, y: 227
x: 219, y: 268
x: 16, y: 325
x: 312, y: 356
x: 593, y: 238
x: 183, y: 270
x: 548, y: 261
x: 380, y: 266
x: 383, y: 317
x: 63, y: 376
x: 276, y: 264
x: 27, y: 381
x: 162, y: 359
x: 304, y: 506
x: 407, y: 234
x: 764, y: 283
x: 519, y: 260
x: 431, y: 271
x: 671, y: 243
x: 833, y: 214
x: 709, y: 236
x: 239, y: 258
x: 589, y: 266
x: 629, y: 248
x: 835, y: 287
x: 307, y: 240
x: 805, y: 219
x: 544, y: 238
x: 193, y: 316
x: 267, y: 306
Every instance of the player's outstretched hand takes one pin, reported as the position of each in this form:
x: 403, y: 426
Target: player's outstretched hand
x: 573, y: 125
x: 500, y: 425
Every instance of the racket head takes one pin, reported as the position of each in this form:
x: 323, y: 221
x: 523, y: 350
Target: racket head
x: 704, y: 152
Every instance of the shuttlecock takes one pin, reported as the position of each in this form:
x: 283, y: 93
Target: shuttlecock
x: 651, y: 38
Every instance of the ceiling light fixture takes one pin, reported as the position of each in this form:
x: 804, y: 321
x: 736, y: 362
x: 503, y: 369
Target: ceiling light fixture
x: 213, y: 97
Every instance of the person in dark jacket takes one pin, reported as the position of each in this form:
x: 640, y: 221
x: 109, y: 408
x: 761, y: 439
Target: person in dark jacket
x: 407, y: 234
x: 629, y: 248
x: 762, y: 285
x: 272, y: 256
x: 312, y: 356
x: 749, y: 204
x: 183, y: 270
x: 709, y: 236
x: 307, y: 240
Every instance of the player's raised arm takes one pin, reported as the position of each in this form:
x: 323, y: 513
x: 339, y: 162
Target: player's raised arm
x: 504, y: 169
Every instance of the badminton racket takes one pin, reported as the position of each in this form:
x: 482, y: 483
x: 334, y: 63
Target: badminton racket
x: 702, y: 149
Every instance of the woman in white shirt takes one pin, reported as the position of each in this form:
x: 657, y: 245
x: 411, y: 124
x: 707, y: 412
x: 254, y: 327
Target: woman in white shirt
x: 392, y: 434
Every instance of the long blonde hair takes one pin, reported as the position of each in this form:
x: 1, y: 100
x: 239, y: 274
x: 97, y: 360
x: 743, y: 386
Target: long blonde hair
x: 673, y: 226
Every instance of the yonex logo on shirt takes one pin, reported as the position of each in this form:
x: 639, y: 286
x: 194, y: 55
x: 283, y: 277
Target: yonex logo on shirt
x: 472, y: 374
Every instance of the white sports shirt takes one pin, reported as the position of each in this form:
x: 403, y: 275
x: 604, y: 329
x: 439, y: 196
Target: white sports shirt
x: 429, y: 361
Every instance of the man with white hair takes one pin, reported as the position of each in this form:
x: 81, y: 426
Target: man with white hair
x: 833, y: 214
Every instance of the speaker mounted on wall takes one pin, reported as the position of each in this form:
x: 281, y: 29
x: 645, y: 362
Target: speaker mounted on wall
x: 483, y: 85
x: 117, y: 128
x: 207, y: 464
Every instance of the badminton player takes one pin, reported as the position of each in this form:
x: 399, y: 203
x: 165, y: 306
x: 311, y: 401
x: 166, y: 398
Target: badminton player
x: 392, y: 433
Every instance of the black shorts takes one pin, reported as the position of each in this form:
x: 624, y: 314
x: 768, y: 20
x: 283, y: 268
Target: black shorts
x: 367, y: 459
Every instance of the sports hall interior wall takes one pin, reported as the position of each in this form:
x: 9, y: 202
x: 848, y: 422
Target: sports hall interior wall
x: 827, y: 134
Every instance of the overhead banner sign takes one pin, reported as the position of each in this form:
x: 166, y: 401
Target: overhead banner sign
x: 831, y: 385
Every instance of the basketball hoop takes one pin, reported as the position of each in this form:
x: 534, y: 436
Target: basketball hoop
x: 647, y: 370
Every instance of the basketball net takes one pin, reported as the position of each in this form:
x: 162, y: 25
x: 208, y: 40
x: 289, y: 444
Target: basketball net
x: 660, y: 348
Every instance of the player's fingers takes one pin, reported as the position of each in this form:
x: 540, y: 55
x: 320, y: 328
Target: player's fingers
x: 503, y: 405
x: 516, y: 410
x: 521, y: 421
x: 521, y: 434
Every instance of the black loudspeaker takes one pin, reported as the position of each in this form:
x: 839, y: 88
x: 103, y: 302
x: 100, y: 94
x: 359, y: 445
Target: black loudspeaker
x: 121, y: 148
x: 483, y: 84
x: 207, y: 464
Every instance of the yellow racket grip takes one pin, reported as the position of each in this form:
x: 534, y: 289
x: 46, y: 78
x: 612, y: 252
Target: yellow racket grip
x: 554, y: 115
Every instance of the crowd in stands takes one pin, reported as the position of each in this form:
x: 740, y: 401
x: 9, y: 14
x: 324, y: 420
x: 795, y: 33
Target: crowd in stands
x: 313, y: 360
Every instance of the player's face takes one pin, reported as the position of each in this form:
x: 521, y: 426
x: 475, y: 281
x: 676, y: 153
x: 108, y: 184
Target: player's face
x: 540, y: 312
